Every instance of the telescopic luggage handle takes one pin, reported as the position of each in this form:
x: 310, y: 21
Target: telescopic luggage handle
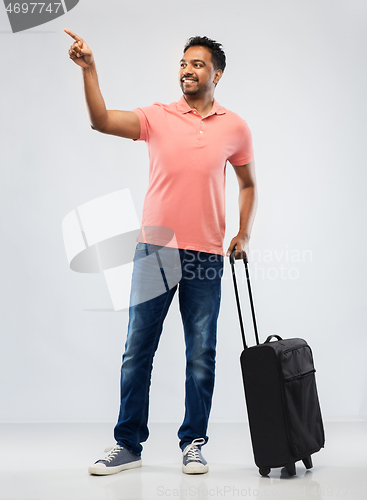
x: 245, y: 261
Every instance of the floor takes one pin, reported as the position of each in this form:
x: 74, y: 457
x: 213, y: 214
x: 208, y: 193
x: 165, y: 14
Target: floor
x: 50, y: 461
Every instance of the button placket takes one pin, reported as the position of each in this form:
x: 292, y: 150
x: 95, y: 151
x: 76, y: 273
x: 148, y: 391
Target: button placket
x: 200, y: 135
x: 201, y: 130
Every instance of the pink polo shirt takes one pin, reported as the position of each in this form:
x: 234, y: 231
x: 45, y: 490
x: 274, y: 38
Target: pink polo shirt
x: 188, y: 156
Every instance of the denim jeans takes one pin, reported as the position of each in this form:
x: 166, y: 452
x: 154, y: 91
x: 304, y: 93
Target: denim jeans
x: 199, y: 289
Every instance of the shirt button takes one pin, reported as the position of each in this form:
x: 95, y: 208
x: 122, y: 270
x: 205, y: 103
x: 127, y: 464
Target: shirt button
x: 201, y: 131
x: 201, y: 121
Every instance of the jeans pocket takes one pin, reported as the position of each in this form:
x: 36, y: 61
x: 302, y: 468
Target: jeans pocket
x: 141, y: 247
x: 146, y: 246
x: 141, y: 251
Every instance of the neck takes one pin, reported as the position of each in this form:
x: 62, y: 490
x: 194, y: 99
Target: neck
x: 202, y: 104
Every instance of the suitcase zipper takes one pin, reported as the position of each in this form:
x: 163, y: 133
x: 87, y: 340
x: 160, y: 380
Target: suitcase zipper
x: 294, y: 348
x: 300, y: 375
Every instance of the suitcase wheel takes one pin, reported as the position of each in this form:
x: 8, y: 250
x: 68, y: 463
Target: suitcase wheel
x: 264, y: 471
x: 291, y: 468
x: 308, y: 462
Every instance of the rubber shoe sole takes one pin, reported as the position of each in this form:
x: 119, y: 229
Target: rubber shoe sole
x: 195, y: 468
x: 102, y: 470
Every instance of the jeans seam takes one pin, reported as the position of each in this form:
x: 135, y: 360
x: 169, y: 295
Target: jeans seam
x: 191, y: 372
x: 150, y: 361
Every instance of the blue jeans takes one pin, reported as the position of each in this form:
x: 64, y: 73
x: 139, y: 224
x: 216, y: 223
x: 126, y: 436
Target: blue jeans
x: 199, y: 299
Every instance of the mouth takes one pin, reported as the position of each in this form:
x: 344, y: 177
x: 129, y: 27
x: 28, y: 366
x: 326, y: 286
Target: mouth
x: 188, y: 80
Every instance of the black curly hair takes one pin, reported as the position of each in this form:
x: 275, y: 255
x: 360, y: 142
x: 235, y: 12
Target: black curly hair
x: 218, y: 55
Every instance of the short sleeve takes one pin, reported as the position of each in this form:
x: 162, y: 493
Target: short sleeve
x: 148, y: 117
x: 245, y: 152
x: 143, y: 124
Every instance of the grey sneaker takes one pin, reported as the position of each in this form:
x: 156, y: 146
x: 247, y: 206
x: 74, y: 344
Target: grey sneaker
x: 193, y: 461
x: 118, y: 459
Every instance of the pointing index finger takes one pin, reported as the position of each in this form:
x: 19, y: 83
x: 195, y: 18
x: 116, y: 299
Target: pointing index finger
x: 73, y: 35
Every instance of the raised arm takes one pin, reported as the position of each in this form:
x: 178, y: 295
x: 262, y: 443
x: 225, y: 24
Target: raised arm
x: 114, y: 122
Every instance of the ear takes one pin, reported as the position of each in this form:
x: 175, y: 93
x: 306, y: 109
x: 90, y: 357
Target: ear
x: 217, y: 76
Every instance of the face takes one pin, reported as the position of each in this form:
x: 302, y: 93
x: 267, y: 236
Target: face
x: 197, y: 74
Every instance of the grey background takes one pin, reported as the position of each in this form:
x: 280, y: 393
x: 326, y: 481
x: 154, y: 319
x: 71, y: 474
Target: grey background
x: 297, y: 74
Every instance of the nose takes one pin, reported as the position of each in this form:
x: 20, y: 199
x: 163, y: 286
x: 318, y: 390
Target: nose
x: 187, y: 70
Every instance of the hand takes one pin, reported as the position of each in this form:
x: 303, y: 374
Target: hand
x: 79, y: 52
x: 241, y: 242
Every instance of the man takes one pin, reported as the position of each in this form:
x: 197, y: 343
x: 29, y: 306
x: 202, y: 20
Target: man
x: 189, y: 144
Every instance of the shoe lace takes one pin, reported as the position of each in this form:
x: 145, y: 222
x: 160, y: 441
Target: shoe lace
x: 114, y: 450
x: 192, y: 450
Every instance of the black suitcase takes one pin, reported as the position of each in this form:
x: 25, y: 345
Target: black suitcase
x: 281, y: 397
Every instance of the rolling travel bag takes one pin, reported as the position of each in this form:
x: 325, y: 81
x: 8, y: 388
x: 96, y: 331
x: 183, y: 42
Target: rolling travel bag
x: 281, y: 397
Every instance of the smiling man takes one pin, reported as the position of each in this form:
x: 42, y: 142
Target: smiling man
x: 190, y: 142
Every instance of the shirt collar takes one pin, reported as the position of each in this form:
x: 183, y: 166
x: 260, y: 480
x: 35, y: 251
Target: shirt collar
x: 183, y: 107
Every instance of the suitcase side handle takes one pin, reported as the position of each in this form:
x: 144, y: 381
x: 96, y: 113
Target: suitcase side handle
x: 245, y: 261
